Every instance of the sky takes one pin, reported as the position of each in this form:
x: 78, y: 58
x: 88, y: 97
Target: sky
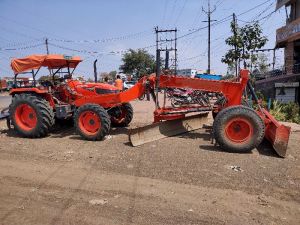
x: 105, y: 29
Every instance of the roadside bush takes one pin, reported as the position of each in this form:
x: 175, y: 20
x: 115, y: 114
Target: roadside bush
x: 289, y: 112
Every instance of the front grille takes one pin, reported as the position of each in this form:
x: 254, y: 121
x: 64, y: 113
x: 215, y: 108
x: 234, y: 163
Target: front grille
x: 105, y: 91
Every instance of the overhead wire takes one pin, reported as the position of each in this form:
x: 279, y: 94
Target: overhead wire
x: 180, y: 12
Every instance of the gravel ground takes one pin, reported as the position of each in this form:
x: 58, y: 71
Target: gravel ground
x: 62, y: 179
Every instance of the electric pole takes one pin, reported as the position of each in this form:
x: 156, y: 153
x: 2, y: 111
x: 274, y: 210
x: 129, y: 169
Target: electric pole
x: 208, y: 13
x: 46, y: 43
x: 159, y: 48
x: 235, y: 43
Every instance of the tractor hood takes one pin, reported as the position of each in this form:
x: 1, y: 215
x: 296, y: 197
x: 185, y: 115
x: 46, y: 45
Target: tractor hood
x: 92, y: 88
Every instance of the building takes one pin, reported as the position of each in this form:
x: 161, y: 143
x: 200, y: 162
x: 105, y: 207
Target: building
x: 187, y: 72
x: 286, y: 92
x: 287, y: 37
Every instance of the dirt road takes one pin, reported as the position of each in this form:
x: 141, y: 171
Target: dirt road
x: 62, y: 179
x: 4, y: 101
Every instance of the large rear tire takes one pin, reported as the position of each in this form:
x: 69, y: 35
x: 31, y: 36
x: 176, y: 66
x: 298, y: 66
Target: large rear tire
x: 238, y: 129
x: 92, y: 122
x: 125, y: 117
x: 31, y: 115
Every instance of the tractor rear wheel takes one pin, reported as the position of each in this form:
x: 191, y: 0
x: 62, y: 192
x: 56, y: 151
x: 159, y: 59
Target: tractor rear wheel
x: 238, y: 129
x: 125, y: 116
x: 92, y: 122
x: 31, y: 115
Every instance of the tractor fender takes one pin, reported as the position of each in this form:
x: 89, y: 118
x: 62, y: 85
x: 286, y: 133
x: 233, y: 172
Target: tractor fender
x: 44, y: 93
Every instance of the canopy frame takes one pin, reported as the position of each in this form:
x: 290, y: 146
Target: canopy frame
x: 68, y: 63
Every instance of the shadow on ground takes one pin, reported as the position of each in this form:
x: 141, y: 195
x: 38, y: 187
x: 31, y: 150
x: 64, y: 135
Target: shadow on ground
x: 265, y: 148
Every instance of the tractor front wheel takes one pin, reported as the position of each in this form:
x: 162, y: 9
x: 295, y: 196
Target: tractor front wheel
x: 238, y: 129
x: 31, y: 115
x: 124, y: 116
x: 92, y: 122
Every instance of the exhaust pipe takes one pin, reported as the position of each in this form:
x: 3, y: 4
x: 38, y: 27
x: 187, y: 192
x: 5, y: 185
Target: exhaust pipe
x: 95, y: 71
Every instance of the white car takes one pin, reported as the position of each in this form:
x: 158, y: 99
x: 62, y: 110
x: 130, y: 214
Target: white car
x: 129, y: 84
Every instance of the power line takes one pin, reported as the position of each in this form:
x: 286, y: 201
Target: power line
x: 180, y: 12
x: 14, y: 44
x: 21, y: 48
x: 124, y: 37
x: 218, y: 3
x: 225, y: 19
x: 25, y: 25
x: 173, y: 8
x: 17, y: 33
x: 164, y: 12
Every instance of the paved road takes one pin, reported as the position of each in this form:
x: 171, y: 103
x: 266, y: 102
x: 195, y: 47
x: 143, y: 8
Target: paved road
x: 4, y: 101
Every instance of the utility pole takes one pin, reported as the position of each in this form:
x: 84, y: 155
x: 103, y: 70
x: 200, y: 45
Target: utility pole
x: 46, y: 43
x: 167, y: 59
x: 159, y: 48
x: 208, y: 13
x: 274, y: 58
x: 235, y: 44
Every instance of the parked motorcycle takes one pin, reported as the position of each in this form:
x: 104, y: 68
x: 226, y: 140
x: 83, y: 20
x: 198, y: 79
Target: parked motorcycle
x: 180, y: 97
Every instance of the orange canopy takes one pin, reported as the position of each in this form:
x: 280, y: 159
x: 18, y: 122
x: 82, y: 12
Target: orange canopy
x: 51, y: 61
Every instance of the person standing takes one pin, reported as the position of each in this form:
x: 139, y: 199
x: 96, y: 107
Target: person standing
x: 119, y: 83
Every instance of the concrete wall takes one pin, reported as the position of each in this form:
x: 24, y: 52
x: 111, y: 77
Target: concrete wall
x: 267, y: 86
x: 285, y: 95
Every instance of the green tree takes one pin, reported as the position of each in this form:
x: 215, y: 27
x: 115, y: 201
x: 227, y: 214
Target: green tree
x: 113, y: 74
x: 47, y: 77
x: 246, y: 39
x: 261, y: 63
x: 103, y: 75
x: 138, y: 63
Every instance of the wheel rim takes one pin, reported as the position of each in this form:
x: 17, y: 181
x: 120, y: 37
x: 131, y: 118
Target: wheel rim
x: 238, y: 130
x: 25, y: 117
x: 89, y: 122
x: 122, y: 117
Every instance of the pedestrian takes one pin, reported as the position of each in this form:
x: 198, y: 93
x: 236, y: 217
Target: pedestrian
x: 119, y: 83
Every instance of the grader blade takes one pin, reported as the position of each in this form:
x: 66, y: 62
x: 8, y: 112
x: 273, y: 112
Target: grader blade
x: 156, y: 131
x: 277, y: 134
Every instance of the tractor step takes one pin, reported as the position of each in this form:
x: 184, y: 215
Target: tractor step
x: 156, y: 131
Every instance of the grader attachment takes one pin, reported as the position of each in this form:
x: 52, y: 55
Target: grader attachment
x: 236, y: 128
x: 157, y: 131
x: 277, y: 134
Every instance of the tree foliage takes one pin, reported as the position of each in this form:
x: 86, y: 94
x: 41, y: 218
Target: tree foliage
x: 261, y: 63
x: 138, y: 63
x: 247, y: 39
x: 47, y: 77
x: 112, y: 74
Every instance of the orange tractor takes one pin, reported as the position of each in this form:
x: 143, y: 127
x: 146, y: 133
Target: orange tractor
x: 95, y: 107
x: 35, y: 106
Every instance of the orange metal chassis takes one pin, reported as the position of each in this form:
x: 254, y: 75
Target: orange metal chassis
x: 276, y: 133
